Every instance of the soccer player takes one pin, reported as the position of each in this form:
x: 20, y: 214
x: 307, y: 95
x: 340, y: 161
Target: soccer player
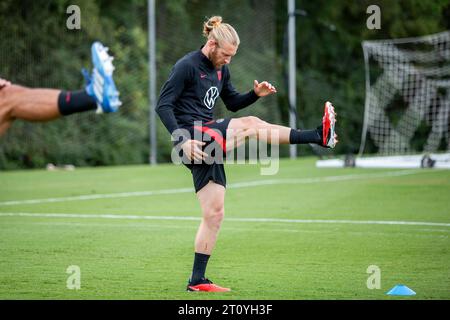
x: 189, y: 95
x: 17, y: 102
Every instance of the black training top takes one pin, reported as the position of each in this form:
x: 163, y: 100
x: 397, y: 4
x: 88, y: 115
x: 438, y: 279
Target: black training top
x: 191, y: 91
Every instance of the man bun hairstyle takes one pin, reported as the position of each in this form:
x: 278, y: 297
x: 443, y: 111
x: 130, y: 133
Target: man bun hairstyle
x: 215, y: 29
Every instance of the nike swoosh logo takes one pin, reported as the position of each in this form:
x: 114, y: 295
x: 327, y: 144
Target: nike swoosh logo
x: 202, y: 75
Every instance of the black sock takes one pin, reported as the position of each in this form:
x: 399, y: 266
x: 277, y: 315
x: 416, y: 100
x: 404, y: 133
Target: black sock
x: 198, y: 271
x: 305, y: 136
x: 75, y: 101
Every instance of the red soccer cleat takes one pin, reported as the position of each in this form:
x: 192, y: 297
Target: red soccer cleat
x: 207, y: 286
x: 328, y: 125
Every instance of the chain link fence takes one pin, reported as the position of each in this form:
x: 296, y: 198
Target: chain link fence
x: 180, y: 31
x: 38, y: 50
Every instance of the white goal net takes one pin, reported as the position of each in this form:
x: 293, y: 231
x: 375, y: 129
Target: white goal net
x: 407, y: 95
x: 407, y: 108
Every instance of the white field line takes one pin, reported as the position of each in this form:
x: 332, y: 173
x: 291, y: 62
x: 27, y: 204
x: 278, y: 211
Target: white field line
x: 238, y: 185
x: 429, y: 233
x: 257, y: 220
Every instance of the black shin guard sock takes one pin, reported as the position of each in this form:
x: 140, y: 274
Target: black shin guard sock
x: 75, y: 101
x: 305, y: 136
x: 198, y: 271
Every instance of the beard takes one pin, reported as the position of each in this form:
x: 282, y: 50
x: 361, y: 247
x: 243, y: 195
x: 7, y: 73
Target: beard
x: 214, y: 59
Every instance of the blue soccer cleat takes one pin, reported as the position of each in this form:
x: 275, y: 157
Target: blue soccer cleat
x: 100, y: 84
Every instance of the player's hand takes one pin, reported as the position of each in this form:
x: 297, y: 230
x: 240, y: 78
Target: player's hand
x: 193, y: 150
x: 4, y: 83
x: 263, y: 89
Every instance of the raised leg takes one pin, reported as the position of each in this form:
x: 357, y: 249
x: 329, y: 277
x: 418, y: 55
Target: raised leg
x: 17, y: 102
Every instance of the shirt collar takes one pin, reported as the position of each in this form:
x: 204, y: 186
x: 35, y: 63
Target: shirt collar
x: 205, y: 59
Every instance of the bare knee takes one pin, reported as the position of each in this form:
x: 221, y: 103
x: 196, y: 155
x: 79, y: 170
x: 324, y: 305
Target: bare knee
x: 6, y: 112
x: 253, y: 122
x: 12, y: 89
x: 213, y: 217
x: 6, y: 107
x: 7, y: 97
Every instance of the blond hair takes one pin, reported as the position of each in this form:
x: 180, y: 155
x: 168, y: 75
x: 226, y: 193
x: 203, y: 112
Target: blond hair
x: 215, y: 29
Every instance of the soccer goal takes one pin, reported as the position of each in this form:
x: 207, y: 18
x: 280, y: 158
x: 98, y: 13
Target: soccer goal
x: 407, y: 107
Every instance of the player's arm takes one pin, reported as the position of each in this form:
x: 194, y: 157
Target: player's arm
x: 235, y: 101
x: 170, y: 93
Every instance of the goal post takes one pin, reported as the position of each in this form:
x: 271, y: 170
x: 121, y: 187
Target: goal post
x: 407, y: 104
x: 407, y: 90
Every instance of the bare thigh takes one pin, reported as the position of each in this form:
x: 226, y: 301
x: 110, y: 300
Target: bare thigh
x: 17, y: 102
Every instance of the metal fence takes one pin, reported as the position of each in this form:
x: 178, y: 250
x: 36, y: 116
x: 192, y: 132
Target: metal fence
x: 38, y: 50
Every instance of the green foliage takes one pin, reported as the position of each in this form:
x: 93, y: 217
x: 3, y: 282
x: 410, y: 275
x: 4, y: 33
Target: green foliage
x: 37, y: 50
x: 331, y: 64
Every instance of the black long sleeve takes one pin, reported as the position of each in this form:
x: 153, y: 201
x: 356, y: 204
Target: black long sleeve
x: 170, y: 92
x: 234, y: 100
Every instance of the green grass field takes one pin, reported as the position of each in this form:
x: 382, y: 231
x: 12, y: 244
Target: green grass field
x: 309, y: 247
